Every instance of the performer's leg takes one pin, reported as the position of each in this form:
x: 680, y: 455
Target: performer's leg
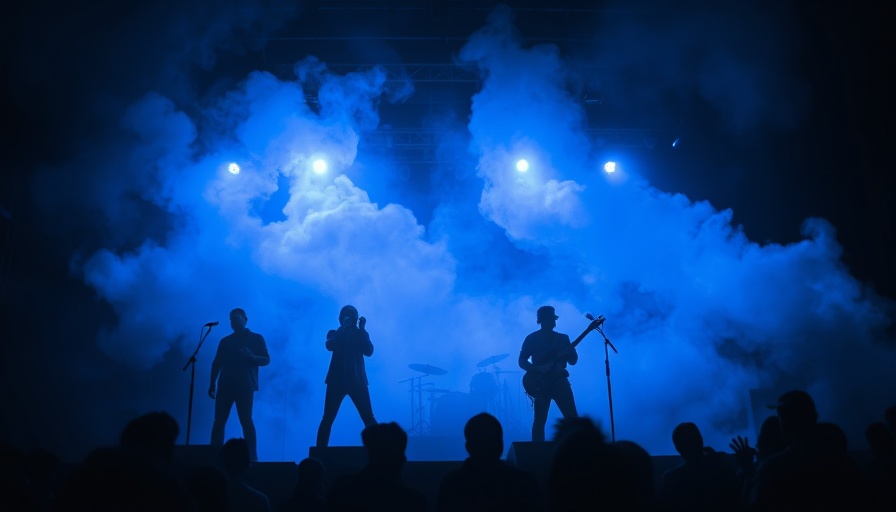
x: 541, y: 407
x: 244, y: 402
x: 332, y: 400
x: 562, y: 395
x: 223, y: 403
x: 361, y: 398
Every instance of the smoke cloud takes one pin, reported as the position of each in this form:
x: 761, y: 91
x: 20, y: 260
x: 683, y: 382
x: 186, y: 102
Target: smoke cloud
x: 700, y: 314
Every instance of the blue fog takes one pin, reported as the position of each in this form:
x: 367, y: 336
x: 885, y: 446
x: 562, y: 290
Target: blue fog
x: 700, y: 313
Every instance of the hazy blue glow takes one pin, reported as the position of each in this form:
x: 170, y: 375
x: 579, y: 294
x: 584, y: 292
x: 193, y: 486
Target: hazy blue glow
x: 700, y: 313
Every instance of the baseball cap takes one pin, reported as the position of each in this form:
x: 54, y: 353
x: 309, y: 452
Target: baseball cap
x: 794, y: 400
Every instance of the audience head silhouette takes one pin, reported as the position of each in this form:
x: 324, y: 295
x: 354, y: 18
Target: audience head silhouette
x: 770, y: 439
x: 385, y: 443
x: 235, y: 460
x: 136, y: 475
x: 831, y: 439
x: 588, y: 474
x: 310, y: 475
x: 880, y: 440
x: 207, y: 485
x: 378, y: 485
x: 484, y: 437
x: 890, y: 418
x: 797, y: 413
x: 566, y: 427
x: 153, y: 434
x: 308, y: 491
x: 235, y: 456
x: 688, y: 440
x: 641, y: 466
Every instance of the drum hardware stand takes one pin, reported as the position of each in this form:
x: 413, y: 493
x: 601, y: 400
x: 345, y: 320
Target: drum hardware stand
x: 419, y: 425
x: 503, y: 406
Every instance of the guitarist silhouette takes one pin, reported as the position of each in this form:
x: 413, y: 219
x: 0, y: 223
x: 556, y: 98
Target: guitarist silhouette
x: 546, y: 377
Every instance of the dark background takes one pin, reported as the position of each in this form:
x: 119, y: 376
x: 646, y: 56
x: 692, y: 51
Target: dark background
x: 70, y: 67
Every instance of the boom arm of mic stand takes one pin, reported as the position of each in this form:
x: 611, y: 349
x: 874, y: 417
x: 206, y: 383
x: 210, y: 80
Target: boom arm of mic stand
x: 202, y: 337
x: 607, y: 340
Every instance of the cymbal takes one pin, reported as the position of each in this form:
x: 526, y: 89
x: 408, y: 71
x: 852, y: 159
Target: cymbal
x: 427, y: 369
x: 437, y: 390
x: 491, y: 360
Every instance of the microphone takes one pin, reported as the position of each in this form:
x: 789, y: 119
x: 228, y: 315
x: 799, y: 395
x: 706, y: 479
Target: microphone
x: 600, y: 322
x: 589, y: 316
x: 211, y: 324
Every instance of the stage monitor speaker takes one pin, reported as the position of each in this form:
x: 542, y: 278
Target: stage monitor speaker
x: 189, y: 457
x: 527, y: 454
x: 340, y: 460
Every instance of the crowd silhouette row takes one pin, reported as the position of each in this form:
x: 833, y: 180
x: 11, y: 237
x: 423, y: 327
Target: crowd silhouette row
x: 797, y: 463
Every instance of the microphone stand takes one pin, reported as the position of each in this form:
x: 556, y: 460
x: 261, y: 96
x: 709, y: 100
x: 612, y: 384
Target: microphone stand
x: 191, y: 363
x: 609, y: 389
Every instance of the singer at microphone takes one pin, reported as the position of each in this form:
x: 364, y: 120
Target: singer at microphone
x: 234, y: 378
x: 347, y: 374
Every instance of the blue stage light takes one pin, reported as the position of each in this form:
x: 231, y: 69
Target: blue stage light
x: 522, y: 165
x: 233, y: 168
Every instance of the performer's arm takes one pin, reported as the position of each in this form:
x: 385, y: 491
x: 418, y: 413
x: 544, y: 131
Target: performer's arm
x: 525, y: 354
x: 262, y: 358
x: 216, y: 369
x: 366, y: 345
x: 572, y: 356
x: 332, y: 340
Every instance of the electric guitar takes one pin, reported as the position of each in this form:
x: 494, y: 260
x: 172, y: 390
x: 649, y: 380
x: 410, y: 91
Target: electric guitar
x: 536, y: 383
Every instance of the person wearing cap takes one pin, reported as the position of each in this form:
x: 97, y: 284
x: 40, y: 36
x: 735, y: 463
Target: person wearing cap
x: 810, y: 473
x: 547, y: 353
x: 234, y: 379
x: 350, y: 344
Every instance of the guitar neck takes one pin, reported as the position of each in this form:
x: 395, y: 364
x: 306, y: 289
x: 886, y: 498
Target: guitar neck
x: 581, y: 337
x: 573, y: 344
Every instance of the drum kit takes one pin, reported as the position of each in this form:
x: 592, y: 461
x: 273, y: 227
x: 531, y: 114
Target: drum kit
x: 449, y: 410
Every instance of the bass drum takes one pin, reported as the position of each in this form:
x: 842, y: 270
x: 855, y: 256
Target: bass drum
x: 451, y: 412
x: 483, y: 385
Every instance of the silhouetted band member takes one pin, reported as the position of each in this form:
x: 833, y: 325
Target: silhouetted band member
x: 235, y: 370
x: 347, y: 375
x: 550, y: 352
